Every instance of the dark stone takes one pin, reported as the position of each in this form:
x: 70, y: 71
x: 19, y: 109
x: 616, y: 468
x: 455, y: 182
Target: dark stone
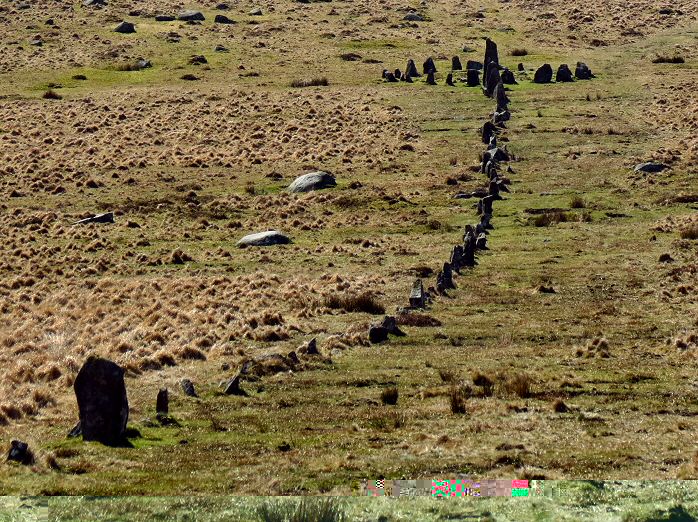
x: 198, y: 59
x: 493, y: 190
x: 469, y: 246
x: 430, y: 79
x: 582, y: 72
x: 20, y: 452
x: 191, y: 16
x: 377, y: 334
x: 389, y: 77
x: 455, y: 64
x: 417, y: 299
x: 162, y: 403
x: 411, y: 69
x: 222, y: 7
x: 544, y: 74
x: 76, y: 431
x: 398, y: 74
x: 508, y: 77
x: 491, y: 79
x: 293, y: 357
x: 499, y: 117
x: 481, y: 242
x: 449, y: 80
x: 491, y: 54
x: 233, y: 387
x: 188, y: 388
x: 125, y: 28
x: 521, y: 67
x: 500, y: 95
x: 448, y: 276
x: 429, y: 66
x: 311, y: 348
x: 457, y: 258
x: 485, y: 205
x: 472, y: 64
x: 222, y: 19
x: 488, y: 130
x: 220, y: 49
x: 407, y: 79
x: 390, y: 324
x: 102, y: 402
x: 473, y: 78
x: 564, y: 74
x: 94, y: 3
x: 413, y: 17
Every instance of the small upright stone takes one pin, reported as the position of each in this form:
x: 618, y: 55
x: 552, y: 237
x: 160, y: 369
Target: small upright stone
x: 233, y: 387
x: 544, y: 74
x: 564, y: 74
x: 188, y: 388
x: 417, y: 299
x: 430, y: 79
x: 377, y: 334
x: 162, y: 403
x: 20, y: 452
x: 102, y: 402
x: 455, y: 64
x: 411, y: 69
x: 429, y: 66
x: 582, y: 72
x: 449, y: 80
x: 508, y: 77
x: 473, y: 79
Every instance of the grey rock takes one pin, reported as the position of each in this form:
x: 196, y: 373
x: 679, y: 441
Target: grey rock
x: 255, y: 12
x: 20, y: 452
x: 125, y: 28
x: 564, y: 74
x: 101, y: 394
x: 190, y: 15
x: 508, y: 77
x: 164, y: 18
x: 222, y: 19
x: 390, y: 324
x: 582, y: 72
x: 312, y: 181
x: 268, y: 238
x: 411, y: 69
x: 107, y: 217
x: 417, y: 297
x: 650, y: 167
x: 414, y: 17
x: 188, y: 388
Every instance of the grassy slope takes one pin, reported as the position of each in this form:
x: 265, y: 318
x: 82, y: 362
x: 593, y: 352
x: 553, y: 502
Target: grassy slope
x: 605, y: 272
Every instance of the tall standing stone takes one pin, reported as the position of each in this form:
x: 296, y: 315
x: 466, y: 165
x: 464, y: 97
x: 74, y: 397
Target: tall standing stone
x: 491, y: 55
x: 501, y: 97
x: 101, y: 395
x: 455, y: 64
x: 564, y: 74
x: 429, y: 66
x: 162, y: 403
x: 411, y: 69
x: 492, y: 78
x: 473, y: 78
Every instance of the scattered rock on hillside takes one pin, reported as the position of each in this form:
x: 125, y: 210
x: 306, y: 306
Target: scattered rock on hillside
x: 188, y: 388
x: 312, y: 181
x: 107, y: 217
x: 413, y: 17
x: 255, y: 12
x: 650, y: 167
x: 222, y: 19
x: 544, y: 74
x: 377, y: 334
x: 125, y: 28
x: 20, y: 452
x: 268, y: 238
x: 102, y: 402
x: 190, y: 15
x: 164, y: 18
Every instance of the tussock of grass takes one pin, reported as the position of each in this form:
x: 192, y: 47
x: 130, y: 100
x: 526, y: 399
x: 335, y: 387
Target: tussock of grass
x: 519, y: 52
x: 417, y: 320
x: 52, y: 95
x: 364, y: 302
x: 690, y: 232
x: 577, y: 202
x: 518, y: 384
x: 458, y: 397
x: 308, y: 510
x: 313, y: 82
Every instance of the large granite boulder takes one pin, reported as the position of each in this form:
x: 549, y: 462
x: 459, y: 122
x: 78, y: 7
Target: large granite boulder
x: 312, y: 181
x: 268, y: 238
x: 544, y: 74
x: 102, y: 402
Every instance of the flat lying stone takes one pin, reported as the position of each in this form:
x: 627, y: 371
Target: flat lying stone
x: 651, y: 167
x: 108, y: 217
x: 191, y: 16
x: 312, y: 181
x: 268, y: 238
x: 125, y: 28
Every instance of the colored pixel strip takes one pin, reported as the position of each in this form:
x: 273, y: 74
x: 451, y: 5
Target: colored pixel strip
x: 454, y: 488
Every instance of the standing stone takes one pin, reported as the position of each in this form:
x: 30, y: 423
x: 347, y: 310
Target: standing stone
x: 398, y: 74
x: 455, y: 64
x: 233, y: 386
x: 485, y: 222
x: 430, y: 79
x: 469, y: 247
x: 429, y: 66
x: 492, y: 78
x: 448, y: 276
x: 188, y: 388
x: 411, y: 69
x: 508, y: 77
x: 473, y: 78
x: 390, y: 324
x: 472, y: 64
x: 493, y: 190
x: 501, y: 97
x: 521, y: 67
x: 417, y: 299
x: 486, y: 205
x: 311, y: 348
x: 101, y: 394
x: 389, y: 77
x: 564, y: 74
x: 544, y: 74
x: 457, y: 258
x: 162, y: 403
x: 449, y: 80
x: 491, y: 54
x: 481, y: 242
x: 582, y: 72
x: 488, y: 130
